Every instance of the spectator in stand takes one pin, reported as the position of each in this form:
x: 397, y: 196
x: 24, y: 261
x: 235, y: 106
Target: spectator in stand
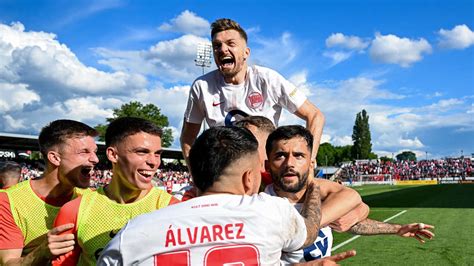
x: 10, y: 173
x: 408, y: 170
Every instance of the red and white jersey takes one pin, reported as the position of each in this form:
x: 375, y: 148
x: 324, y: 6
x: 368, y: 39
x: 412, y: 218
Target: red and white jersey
x: 264, y: 93
x: 219, y: 229
x: 319, y: 249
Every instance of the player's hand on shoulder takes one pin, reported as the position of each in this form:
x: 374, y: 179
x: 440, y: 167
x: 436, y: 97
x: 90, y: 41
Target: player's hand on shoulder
x: 59, y: 242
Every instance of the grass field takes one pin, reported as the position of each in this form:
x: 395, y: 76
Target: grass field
x: 450, y: 208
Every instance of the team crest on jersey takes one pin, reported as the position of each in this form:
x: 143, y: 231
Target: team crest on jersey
x: 255, y: 100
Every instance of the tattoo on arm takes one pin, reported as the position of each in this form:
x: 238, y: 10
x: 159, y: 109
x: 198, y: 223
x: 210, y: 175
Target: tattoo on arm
x: 373, y: 227
x: 311, y: 212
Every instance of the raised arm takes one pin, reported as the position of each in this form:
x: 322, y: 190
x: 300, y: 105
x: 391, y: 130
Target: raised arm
x: 314, y: 123
x: 311, y: 213
x: 188, y: 136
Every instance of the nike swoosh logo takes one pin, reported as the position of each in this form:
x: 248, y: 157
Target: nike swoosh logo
x: 217, y: 104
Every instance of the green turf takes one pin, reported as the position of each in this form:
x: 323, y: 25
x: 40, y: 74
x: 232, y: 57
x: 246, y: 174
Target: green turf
x: 450, y: 208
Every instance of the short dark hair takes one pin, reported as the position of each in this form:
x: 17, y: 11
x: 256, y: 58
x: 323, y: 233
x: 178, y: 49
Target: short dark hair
x: 56, y: 133
x: 224, y: 24
x: 9, y: 166
x: 123, y: 127
x: 289, y: 132
x: 261, y: 122
x: 217, y: 148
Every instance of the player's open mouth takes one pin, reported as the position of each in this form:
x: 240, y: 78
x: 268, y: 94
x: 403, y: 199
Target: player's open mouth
x: 86, y: 172
x: 226, y: 61
x: 146, y: 174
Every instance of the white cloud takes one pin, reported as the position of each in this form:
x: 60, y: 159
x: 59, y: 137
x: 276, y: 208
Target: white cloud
x: 15, y: 96
x: 340, y: 40
x: 274, y: 52
x: 12, y: 124
x: 337, y: 56
x: 50, y: 69
x: 392, y: 49
x: 169, y: 61
x: 188, y: 23
x: 172, y: 101
x: 460, y: 37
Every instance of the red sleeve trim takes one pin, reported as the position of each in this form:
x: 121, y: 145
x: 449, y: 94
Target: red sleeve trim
x: 11, y: 236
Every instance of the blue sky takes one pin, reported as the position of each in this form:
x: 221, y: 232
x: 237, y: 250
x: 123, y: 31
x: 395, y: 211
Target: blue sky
x: 410, y: 64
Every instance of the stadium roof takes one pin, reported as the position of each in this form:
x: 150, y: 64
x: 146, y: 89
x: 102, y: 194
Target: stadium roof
x: 11, y: 141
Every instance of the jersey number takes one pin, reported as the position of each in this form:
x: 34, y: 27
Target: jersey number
x: 221, y: 255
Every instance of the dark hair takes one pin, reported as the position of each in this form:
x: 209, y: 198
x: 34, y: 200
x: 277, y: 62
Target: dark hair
x: 123, y: 127
x: 224, y: 24
x: 9, y: 166
x: 261, y: 122
x: 58, y: 131
x: 217, y: 148
x: 289, y: 132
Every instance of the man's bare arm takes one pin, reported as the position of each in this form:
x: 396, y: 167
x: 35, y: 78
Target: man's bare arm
x: 188, y: 136
x: 311, y: 213
x: 373, y: 227
x: 314, y: 123
x: 337, y: 200
x: 351, y: 218
x: 51, y: 244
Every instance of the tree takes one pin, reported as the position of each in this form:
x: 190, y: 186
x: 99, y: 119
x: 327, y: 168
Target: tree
x: 137, y: 109
x: 406, y: 156
x: 386, y: 159
x: 362, y: 148
x: 326, y: 154
x: 343, y: 153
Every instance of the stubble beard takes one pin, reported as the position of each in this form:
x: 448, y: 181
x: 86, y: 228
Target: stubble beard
x: 291, y: 188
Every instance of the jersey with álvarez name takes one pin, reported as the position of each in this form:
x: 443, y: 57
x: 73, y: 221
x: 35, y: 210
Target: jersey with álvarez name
x: 219, y: 229
x: 264, y: 93
x: 319, y: 249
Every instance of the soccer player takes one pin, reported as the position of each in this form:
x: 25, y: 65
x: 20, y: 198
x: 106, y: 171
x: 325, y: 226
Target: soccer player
x: 229, y: 223
x: 288, y: 150
x: 134, y: 148
x: 28, y: 209
x: 10, y: 173
x: 236, y: 90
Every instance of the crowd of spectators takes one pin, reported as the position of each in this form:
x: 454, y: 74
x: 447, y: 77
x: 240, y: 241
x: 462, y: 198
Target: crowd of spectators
x: 410, y: 170
x: 166, y: 176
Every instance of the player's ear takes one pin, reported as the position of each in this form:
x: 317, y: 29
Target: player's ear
x: 246, y: 53
x: 54, y: 158
x: 248, y: 182
x: 111, y: 153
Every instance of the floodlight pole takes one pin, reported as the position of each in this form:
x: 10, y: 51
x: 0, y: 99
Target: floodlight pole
x: 203, y: 59
x: 203, y: 55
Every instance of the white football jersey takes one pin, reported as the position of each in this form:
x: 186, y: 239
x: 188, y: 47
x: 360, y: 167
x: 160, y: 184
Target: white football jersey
x: 319, y: 249
x: 264, y: 93
x: 219, y: 229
